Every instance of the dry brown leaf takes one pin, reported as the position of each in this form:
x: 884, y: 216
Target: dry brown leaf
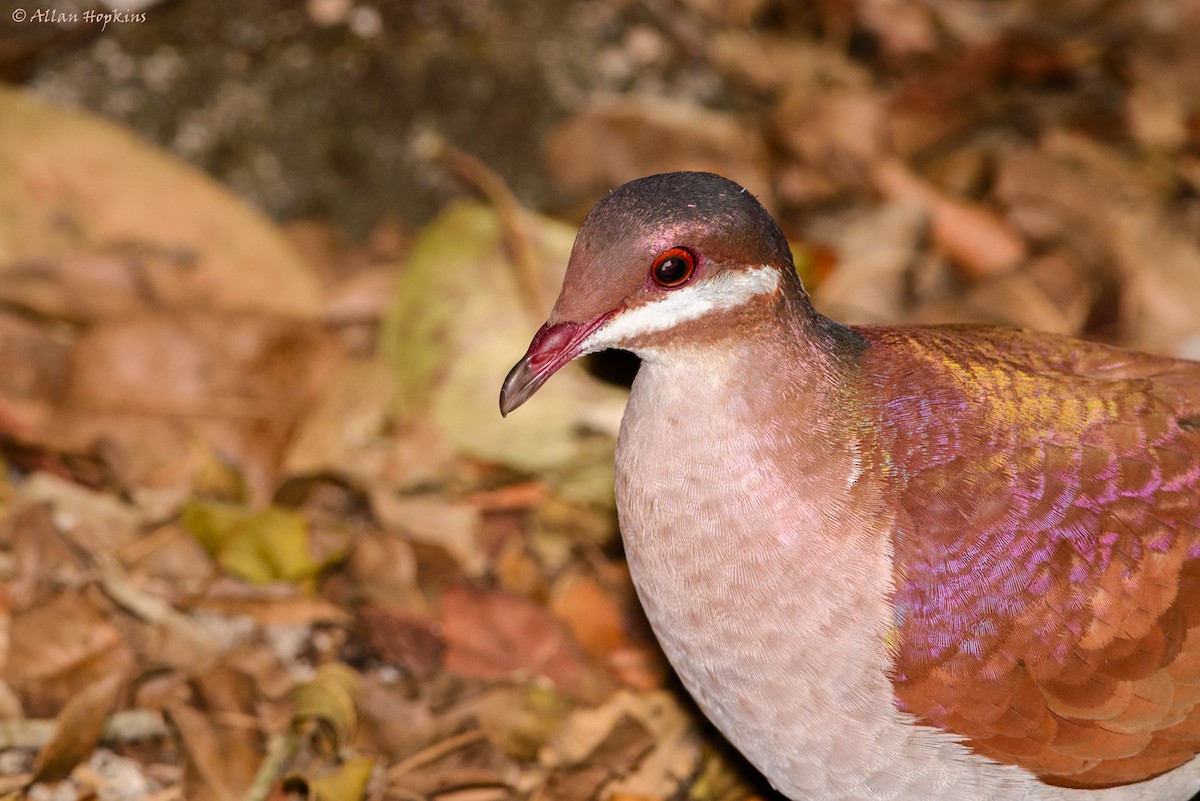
x: 170, y: 561
x: 773, y: 62
x: 5, y: 635
x: 34, y: 367
x: 60, y: 646
x: 94, y: 522
x: 874, y: 248
x: 272, y: 610
x: 65, y: 177
x: 590, y: 612
x: 241, y: 379
x: 520, y: 719
x: 838, y: 132
x: 677, y: 742
x: 44, y: 560
x: 970, y: 235
x: 346, y: 422
x: 432, y: 520
x: 1161, y: 265
x: 382, y: 567
x: 403, y: 639
x: 221, y: 760
x: 615, y: 757
x: 640, y: 667
x: 734, y: 13
x: 87, y: 286
x: 517, y: 571
x: 169, y: 637
x: 221, y: 734
x: 77, y: 730
x: 494, y: 635
x: 936, y: 105
x: 392, y: 722
x: 524, y: 495
x: 904, y: 28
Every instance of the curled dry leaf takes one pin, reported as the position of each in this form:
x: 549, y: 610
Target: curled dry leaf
x: 326, y: 708
x: 347, y: 782
x: 77, y: 730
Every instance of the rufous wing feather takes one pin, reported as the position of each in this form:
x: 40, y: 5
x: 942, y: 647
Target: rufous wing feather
x: 1047, y: 546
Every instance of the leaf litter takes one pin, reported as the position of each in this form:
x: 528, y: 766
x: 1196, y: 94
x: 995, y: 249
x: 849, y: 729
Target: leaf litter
x: 262, y: 534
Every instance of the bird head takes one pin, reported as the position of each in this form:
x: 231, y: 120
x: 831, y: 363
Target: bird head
x: 660, y: 262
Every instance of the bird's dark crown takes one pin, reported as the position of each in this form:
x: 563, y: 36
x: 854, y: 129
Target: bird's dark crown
x: 716, y: 212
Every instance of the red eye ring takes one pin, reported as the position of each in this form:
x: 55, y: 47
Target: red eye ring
x: 673, y: 267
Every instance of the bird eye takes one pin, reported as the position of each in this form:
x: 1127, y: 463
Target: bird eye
x: 673, y: 267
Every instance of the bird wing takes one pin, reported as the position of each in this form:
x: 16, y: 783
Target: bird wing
x: 1047, y: 546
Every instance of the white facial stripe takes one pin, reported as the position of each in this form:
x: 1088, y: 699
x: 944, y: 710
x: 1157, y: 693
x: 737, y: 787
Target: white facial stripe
x: 727, y: 290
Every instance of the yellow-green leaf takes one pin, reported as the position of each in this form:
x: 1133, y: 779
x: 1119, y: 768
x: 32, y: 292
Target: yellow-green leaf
x: 327, y: 707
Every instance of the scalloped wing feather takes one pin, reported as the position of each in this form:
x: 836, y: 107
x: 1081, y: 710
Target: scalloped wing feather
x: 1047, y: 546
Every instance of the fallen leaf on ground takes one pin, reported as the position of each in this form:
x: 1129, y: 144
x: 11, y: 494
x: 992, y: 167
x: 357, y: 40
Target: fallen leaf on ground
x: 65, y: 176
x: 493, y: 635
x: 433, y: 520
x: 875, y: 248
x: 258, y: 546
x: 615, y: 757
x: 347, y: 782
x: 221, y: 761
x: 403, y: 639
x: 459, y: 321
x: 77, y: 730
x: 591, y: 614
x: 326, y: 708
x: 59, y: 647
x: 969, y: 234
